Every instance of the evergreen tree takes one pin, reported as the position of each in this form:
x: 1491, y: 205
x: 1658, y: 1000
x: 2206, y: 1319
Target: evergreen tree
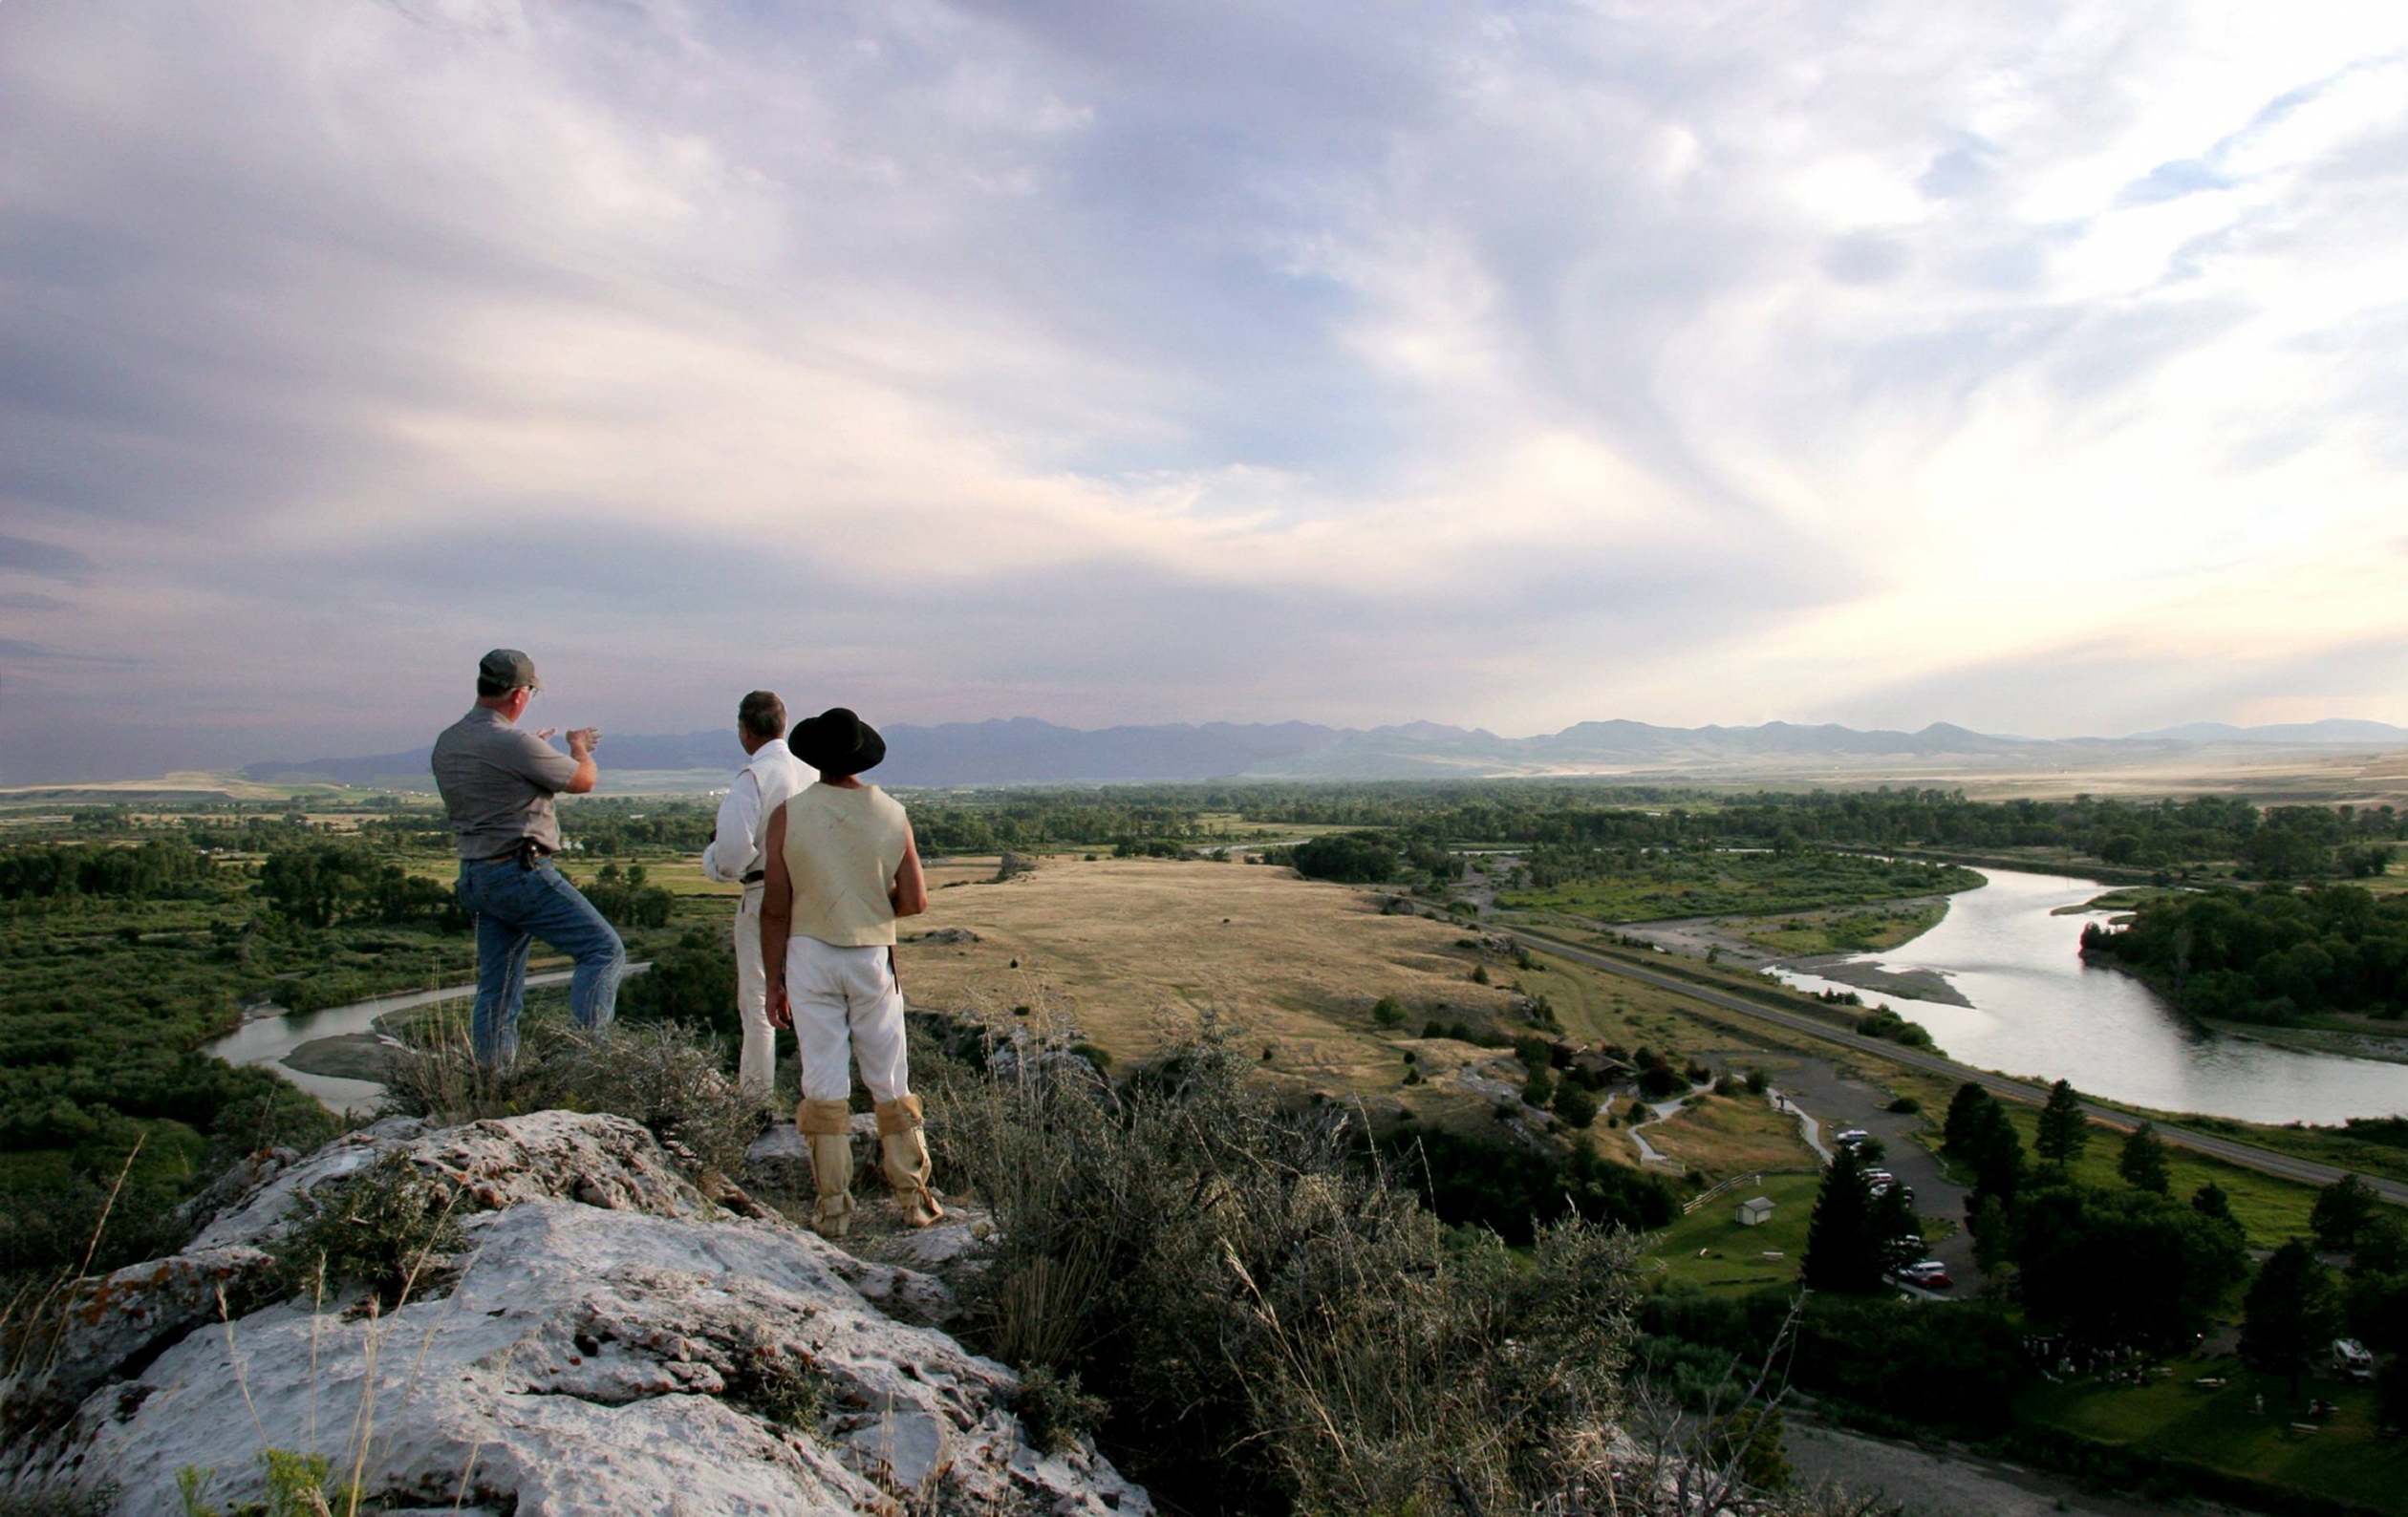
x: 2143, y: 1163
x: 1968, y: 1098
x: 2289, y: 1312
x: 1843, y: 1252
x: 2343, y: 1208
x: 1986, y: 1142
x: 2064, y: 1131
x: 2209, y: 1200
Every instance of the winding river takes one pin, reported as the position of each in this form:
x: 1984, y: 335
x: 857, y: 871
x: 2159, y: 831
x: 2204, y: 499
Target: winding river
x: 2038, y: 1009
x: 267, y: 1040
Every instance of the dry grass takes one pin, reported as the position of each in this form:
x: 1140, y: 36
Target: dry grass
x: 1131, y: 949
x: 1729, y: 1135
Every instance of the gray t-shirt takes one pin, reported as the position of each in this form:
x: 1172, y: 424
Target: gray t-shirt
x: 497, y: 783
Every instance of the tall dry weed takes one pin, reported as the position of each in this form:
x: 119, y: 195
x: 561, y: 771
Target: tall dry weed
x: 664, y: 1075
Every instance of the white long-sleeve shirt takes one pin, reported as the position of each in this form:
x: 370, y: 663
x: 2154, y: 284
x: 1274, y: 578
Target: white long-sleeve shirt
x: 767, y: 782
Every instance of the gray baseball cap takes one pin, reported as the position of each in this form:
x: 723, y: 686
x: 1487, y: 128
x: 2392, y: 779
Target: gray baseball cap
x: 509, y: 669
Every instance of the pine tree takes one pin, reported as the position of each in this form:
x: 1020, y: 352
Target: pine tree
x: 2143, y: 1163
x: 1843, y: 1253
x: 1967, y: 1098
x: 2209, y: 1200
x: 2064, y: 1131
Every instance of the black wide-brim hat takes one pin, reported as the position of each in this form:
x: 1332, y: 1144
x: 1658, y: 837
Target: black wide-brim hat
x: 836, y: 742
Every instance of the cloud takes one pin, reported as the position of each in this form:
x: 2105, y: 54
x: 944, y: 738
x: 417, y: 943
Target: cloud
x: 1097, y: 361
x: 47, y: 560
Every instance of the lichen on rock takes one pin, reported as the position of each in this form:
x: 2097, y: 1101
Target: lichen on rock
x: 611, y: 1340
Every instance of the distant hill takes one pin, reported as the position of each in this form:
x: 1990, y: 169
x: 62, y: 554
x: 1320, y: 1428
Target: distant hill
x: 1026, y: 751
x: 2333, y: 730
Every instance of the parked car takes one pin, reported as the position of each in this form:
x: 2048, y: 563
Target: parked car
x: 1929, y: 1274
x: 1849, y: 1137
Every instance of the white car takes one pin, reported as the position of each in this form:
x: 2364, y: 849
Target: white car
x: 1849, y: 1137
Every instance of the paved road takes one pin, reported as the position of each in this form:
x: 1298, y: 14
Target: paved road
x: 2249, y: 1156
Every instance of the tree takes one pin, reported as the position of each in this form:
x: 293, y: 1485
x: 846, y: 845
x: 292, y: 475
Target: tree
x: 2210, y: 1201
x: 2064, y: 1131
x: 1980, y: 1137
x: 2143, y: 1163
x: 2382, y: 1245
x: 2114, y: 1268
x: 1351, y: 858
x: 1574, y: 1104
x: 2343, y: 1208
x: 1955, y: 1130
x: 2289, y: 1312
x: 1845, y: 1247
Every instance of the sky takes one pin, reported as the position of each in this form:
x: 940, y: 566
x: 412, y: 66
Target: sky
x: 2041, y: 367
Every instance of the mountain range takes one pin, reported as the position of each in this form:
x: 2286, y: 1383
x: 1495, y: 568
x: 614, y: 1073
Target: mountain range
x: 1026, y: 751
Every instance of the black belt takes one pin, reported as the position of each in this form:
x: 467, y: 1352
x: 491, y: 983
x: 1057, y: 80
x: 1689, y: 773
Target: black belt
x: 755, y: 877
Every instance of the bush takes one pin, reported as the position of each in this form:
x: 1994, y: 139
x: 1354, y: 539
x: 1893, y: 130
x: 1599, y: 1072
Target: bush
x: 1575, y: 1105
x: 694, y: 983
x: 1273, y: 1320
x: 390, y: 1227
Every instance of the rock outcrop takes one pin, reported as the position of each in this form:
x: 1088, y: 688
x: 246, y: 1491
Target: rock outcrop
x: 609, y: 1340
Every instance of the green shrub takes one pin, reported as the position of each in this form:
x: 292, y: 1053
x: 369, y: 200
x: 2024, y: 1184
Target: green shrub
x: 390, y: 1227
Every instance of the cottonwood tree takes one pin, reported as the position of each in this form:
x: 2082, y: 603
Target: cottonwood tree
x: 2113, y: 1267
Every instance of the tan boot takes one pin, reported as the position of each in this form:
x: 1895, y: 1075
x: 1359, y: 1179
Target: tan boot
x: 827, y: 1127
x: 904, y: 1145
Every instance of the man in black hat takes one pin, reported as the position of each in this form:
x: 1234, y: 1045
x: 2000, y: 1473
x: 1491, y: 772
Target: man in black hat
x: 497, y: 783
x: 842, y: 867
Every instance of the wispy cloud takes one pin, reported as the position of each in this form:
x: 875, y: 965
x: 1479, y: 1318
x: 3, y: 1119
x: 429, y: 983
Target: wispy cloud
x: 1511, y: 365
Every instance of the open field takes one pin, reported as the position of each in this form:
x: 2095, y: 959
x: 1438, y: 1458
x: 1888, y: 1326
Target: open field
x: 2347, y: 1458
x: 1133, y: 950
x: 1729, y: 1135
x: 1709, y: 1247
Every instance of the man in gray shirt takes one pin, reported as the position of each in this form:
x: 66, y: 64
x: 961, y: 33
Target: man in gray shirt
x: 497, y: 783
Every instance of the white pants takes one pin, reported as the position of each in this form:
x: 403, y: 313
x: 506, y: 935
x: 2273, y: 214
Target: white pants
x: 757, y: 1067
x: 846, y: 1007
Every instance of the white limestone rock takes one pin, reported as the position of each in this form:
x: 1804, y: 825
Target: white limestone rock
x: 613, y: 1342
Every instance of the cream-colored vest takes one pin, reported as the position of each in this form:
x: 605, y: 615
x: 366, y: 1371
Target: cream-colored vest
x: 842, y: 850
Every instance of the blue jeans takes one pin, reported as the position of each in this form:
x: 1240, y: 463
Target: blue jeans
x: 514, y: 907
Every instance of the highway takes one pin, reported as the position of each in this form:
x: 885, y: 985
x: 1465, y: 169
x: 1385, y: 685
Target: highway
x: 2249, y: 1156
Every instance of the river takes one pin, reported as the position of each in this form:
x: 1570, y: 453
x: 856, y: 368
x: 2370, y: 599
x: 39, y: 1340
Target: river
x: 266, y: 1040
x: 2039, y: 1011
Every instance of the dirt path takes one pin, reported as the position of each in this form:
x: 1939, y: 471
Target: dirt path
x: 1932, y: 1483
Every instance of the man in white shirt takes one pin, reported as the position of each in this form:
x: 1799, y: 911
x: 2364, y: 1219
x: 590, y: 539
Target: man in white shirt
x: 735, y: 857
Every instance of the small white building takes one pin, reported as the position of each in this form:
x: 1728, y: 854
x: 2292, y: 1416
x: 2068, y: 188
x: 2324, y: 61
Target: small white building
x: 1755, y: 1213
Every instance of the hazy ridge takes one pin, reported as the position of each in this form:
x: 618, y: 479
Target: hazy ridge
x: 1027, y: 751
